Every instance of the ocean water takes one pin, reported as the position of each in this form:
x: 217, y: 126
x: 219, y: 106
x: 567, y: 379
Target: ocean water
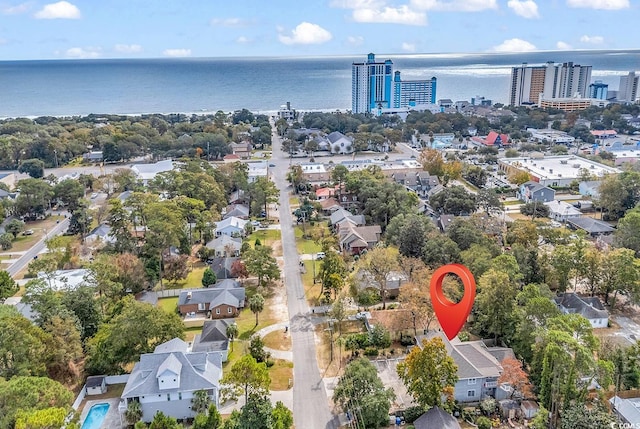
x: 80, y: 87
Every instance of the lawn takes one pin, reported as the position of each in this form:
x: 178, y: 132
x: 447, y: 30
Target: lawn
x: 246, y: 321
x: 25, y: 242
x: 281, y: 374
x: 168, y: 304
x: 311, y: 291
x: 309, y: 246
x: 267, y: 236
x: 278, y: 340
x: 192, y: 281
x: 190, y: 333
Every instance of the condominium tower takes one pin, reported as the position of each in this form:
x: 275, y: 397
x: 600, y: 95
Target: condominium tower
x: 531, y: 84
x: 628, y: 90
x: 374, y: 85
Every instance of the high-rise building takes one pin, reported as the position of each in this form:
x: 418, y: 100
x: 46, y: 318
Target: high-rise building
x: 374, y: 86
x: 598, y: 90
x: 530, y: 84
x: 628, y: 90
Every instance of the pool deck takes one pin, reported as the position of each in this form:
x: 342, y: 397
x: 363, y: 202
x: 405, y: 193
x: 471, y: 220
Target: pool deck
x: 111, y: 420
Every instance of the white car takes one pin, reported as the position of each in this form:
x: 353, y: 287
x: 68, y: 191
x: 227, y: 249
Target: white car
x: 320, y: 255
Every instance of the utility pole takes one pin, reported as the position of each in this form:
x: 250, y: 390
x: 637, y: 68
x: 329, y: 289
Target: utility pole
x: 55, y: 155
x: 208, y: 153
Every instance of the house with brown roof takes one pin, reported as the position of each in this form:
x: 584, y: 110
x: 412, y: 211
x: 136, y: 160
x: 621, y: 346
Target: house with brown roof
x: 329, y: 205
x: 243, y: 150
x: 355, y: 239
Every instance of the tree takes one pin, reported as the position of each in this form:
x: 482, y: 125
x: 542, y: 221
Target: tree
x: 454, y: 200
x: 256, y: 305
x: 332, y: 272
x: 256, y: 413
x: 429, y: 373
x: 495, y: 303
x: 45, y: 418
x: 414, y: 297
x: 200, y: 401
x: 6, y: 241
x: 138, y: 328
x: 176, y: 267
x: 620, y: 275
x: 8, y: 286
x: 26, y: 394
x: 246, y: 376
x: 23, y: 346
x: 281, y: 416
x: 628, y: 231
x: 516, y: 377
x: 432, y: 161
x: 65, y: 348
x: 476, y: 175
x: 260, y: 262
x: 409, y: 233
x: 519, y: 177
x: 15, y: 227
x: 162, y: 421
x: 489, y: 201
x: 68, y: 193
x: 208, y: 277
x: 361, y: 392
x: 34, y: 197
x: 232, y: 332
x: 580, y: 416
x: 535, y: 209
x: 33, y: 167
x: 379, y: 263
x: 262, y: 193
x: 133, y: 414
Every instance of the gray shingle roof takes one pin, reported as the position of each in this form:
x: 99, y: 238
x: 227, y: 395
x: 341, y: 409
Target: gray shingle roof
x: 213, y: 337
x: 588, y: 307
x: 174, y: 345
x: 436, y: 418
x: 590, y: 225
x: 214, y: 296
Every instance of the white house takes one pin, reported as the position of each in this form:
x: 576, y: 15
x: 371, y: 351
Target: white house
x: 147, y: 172
x: 562, y: 211
x: 339, y: 143
x: 225, y: 246
x: 167, y: 379
x: 231, y: 226
x: 588, y: 307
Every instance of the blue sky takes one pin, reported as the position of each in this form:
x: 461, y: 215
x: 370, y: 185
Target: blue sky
x: 223, y: 28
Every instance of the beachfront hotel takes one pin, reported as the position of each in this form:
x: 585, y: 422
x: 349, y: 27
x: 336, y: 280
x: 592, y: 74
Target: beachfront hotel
x: 532, y: 84
x: 374, y: 85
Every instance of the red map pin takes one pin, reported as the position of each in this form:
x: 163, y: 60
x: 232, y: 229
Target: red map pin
x: 451, y: 315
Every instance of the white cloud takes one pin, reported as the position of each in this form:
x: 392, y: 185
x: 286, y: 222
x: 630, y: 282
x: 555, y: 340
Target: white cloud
x: 391, y: 15
x: 599, y: 4
x: 524, y: 8
x: 594, y: 40
x: 563, y: 46
x: 127, y: 49
x: 408, y: 47
x: 243, y: 40
x: 229, y: 22
x: 17, y: 9
x: 305, y: 33
x: 88, y: 52
x: 59, y: 10
x: 455, y: 5
x: 176, y: 53
x: 514, y: 45
x: 355, y: 40
x: 358, y: 4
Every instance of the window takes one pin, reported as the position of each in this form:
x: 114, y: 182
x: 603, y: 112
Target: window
x: 168, y: 396
x: 201, y: 306
x: 229, y: 310
x: 217, y: 311
x: 179, y: 396
x: 471, y: 393
x: 472, y: 381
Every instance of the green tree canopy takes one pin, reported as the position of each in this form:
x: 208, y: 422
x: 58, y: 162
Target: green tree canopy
x: 247, y: 377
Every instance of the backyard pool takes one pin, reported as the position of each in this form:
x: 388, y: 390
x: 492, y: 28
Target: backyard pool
x: 96, y: 416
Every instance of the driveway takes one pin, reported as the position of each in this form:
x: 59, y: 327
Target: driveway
x: 629, y: 329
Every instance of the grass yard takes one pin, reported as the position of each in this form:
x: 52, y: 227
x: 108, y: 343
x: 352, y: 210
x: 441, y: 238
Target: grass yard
x: 311, y: 291
x: 168, y: 304
x: 246, y: 321
x: 307, y: 245
x: 192, y: 281
x: 267, y: 236
x: 190, y: 333
x: 25, y: 242
x: 294, y: 202
x: 278, y: 340
x: 281, y: 374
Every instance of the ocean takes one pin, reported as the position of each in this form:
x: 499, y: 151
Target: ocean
x: 135, y: 86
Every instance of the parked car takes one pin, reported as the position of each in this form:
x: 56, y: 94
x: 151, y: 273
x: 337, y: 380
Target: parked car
x: 320, y: 255
x: 28, y: 232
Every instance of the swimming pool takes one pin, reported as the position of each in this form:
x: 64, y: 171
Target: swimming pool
x: 96, y: 416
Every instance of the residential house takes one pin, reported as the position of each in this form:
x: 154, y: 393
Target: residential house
x: 356, y: 239
x: 339, y: 143
x: 237, y: 197
x: 220, y: 301
x: 395, y: 279
x: 225, y: 246
x: 591, y: 226
x: 529, y: 409
x: 231, y: 158
x: 257, y: 169
x: 533, y: 191
x: 222, y: 267
x: 342, y: 215
x: 243, y: 150
x: 167, y: 379
x: 8, y: 179
x: 315, y: 173
x: 590, y: 188
x: 588, y: 307
x: 478, y: 366
x: 237, y: 210
x: 147, y: 172
x: 231, y: 226
x: 329, y: 205
x: 93, y: 156
x: 348, y: 200
x: 627, y: 409
x: 562, y: 211
x: 213, y: 338
x: 326, y: 192
x: 100, y: 235
x: 124, y: 196
x: 438, y: 418
x: 445, y: 221
x: 65, y: 279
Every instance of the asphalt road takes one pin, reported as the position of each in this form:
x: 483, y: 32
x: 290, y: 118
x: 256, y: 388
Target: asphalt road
x: 24, y: 260
x: 310, y: 405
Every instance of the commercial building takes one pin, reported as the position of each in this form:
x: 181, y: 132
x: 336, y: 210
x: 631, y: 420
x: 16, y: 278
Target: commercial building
x: 550, y: 135
x: 598, y: 90
x: 628, y: 90
x: 530, y: 84
x: 555, y: 170
x: 374, y: 85
x: 571, y: 104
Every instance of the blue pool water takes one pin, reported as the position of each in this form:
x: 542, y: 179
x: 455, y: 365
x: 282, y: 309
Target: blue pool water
x: 96, y: 416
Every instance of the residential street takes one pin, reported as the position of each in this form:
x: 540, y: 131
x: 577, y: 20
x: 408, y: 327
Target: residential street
x: 310, y: 406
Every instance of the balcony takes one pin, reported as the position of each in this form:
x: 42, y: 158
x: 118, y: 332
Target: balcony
x: 490, y: 384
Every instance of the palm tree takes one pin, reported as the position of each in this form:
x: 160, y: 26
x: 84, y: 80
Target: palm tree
x: 200, y: 401
x: 256, y: 305
x: 133, y: 414
x: 232, y: 333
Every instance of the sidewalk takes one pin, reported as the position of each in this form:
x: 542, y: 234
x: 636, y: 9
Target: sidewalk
x: 278, y: 354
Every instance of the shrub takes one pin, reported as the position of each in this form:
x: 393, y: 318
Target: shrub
x: 483, y: 423
x: 371, y: 351
x: 411, y: 414
x: 380, y: 337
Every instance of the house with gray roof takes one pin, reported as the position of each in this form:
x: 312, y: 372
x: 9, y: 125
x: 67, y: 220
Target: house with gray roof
x: 589, y: 307
x: 237, y: 210
x: 147, y: 172
x: 220, y: 301
x: 167, y: 379
x: 100, y: 235
x: 436, y: 417
x: 342, y: 215
x: 225, y: 246
x: 627, y: 409
x: 478, y: 367
x: 591, y: 226
x: 533, y: 191
x: 232, y: 226
x: 339, y: 143
x: 213, y: 338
